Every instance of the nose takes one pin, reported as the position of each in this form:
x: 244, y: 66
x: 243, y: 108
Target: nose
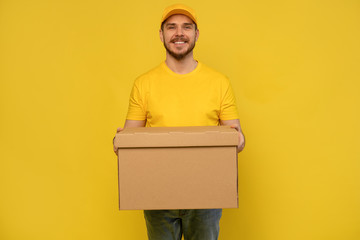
x: 179, y: 31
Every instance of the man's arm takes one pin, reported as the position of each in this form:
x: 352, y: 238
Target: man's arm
x: 128, y: 124
x: 134, y: 123
x: 235, y: 123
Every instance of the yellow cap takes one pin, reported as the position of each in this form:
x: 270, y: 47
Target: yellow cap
x: 179, y: 9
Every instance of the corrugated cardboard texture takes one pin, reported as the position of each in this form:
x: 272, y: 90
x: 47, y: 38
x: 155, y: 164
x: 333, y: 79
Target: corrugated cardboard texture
x: 179, y: 177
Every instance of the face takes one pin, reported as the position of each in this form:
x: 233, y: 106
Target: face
x: 179, y: 36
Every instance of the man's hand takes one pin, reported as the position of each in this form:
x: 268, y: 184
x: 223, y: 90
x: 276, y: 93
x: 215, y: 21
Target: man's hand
x: 241, y: 144
x: 128, y: 124
x: 116, y: 147
x: 235, y: 124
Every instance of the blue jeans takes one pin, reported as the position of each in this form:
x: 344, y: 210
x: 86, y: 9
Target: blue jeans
x: 195, y: 224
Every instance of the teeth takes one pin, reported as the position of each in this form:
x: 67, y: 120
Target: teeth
x: 179, y: 42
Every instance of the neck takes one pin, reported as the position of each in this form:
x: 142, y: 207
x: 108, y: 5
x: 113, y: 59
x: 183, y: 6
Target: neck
x: 183, y: 66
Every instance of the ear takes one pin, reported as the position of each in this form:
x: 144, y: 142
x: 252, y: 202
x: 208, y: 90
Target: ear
x: 197, y: 34
x: 161, y: 35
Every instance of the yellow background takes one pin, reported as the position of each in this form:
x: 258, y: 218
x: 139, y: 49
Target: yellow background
x: 66, y: 70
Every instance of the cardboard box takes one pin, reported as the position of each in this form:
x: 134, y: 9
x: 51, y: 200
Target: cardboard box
x: 178, y: 168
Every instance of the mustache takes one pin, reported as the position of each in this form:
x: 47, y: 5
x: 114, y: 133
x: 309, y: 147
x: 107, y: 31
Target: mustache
x: 179, y: 39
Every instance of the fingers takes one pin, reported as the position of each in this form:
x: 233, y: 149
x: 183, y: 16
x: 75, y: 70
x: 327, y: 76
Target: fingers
x: 241, y: 142
x: 115, y: 148
x: 236, y: 127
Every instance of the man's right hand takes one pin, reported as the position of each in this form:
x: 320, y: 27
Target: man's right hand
x: 116, y: 147
x: 128, y: 124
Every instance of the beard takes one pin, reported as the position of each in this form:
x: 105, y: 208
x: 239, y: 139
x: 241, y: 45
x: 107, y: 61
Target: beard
x: 179, y: 56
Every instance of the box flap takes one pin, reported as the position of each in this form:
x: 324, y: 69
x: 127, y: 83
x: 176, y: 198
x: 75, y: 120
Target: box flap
x: 177, y: 137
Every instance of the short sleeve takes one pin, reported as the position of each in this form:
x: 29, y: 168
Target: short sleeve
x: 228, y: 109
x: 136, y: 109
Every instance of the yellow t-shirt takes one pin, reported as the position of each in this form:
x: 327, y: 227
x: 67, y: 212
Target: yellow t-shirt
x: 167, y: 99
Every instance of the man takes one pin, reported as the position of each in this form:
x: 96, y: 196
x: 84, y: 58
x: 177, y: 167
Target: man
x: 182, y: 92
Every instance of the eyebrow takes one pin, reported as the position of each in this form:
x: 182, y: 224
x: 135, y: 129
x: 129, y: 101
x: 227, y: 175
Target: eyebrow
x: 173, y: 24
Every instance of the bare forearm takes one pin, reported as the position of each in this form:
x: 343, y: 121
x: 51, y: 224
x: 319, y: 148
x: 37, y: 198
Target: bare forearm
x: 134, y: 123
x: 235, y: 123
